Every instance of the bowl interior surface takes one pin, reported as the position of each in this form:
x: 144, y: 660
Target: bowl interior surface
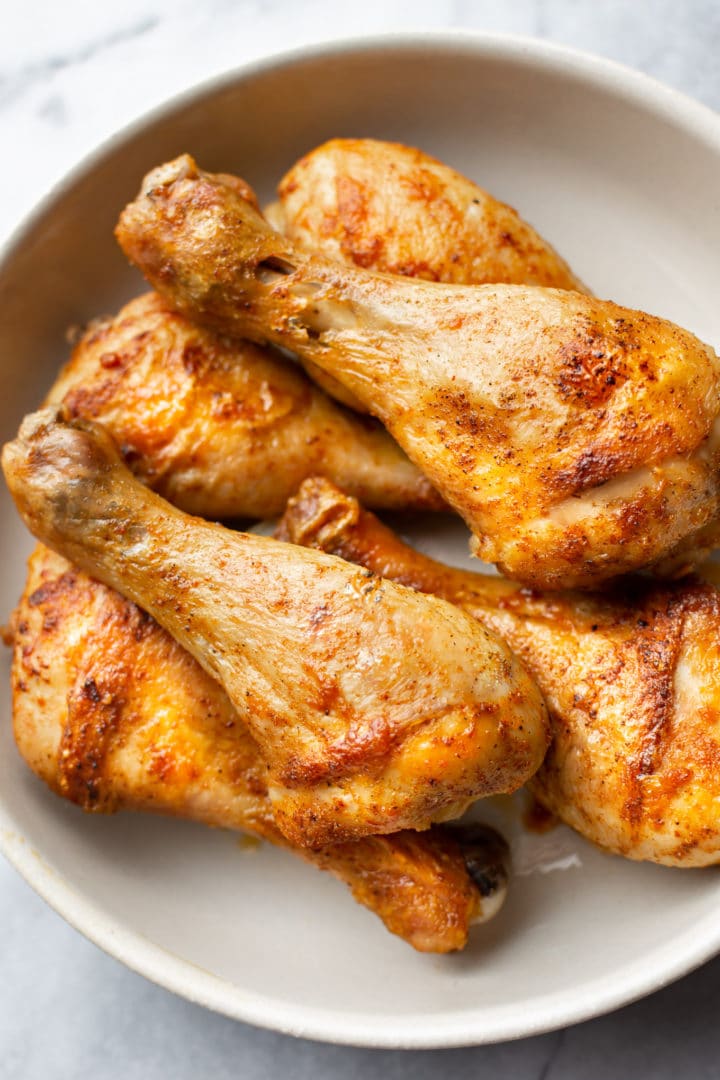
x: 627, y: 192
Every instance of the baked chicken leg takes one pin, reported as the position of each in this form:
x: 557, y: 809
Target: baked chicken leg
x: 385, y: 206
x: 578, y: 439
x: 113, y: 714
x: 389, y: 207
x: 632, y: 682
x: 375, y: 708
x: 229, y: 430
x: 225, y: 429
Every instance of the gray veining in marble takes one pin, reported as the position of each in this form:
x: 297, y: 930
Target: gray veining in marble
x: 71, y: 74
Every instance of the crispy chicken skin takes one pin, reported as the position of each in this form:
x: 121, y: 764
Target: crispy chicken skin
x: 113, y: 714
x: 375, y: 707
x: 579, y: 440
x: 631, y: 679
x: 224, y: 429
x: 388, y: 207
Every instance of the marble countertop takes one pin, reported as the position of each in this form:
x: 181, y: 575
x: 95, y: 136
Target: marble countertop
x: 70, y: 75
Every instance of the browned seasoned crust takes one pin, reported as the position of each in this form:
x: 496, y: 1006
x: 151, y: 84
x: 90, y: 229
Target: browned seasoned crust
x: 579, y: 440
x: 224, y: 428
x: 392, y: 711
x: 631, y: 678
x: 113, y: 715
x: 384, y: 206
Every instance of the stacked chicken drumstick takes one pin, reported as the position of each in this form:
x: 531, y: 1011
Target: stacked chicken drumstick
x: 330, y: 689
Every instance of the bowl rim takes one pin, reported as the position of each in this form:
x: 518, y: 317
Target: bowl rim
x: 687, y: 950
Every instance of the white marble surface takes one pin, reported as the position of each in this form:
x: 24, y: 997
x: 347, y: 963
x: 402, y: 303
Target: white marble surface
x: 70, y: 75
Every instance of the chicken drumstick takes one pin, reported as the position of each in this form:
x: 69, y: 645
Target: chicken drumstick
x: 384, y: 206
x: 578, y: 439
x: 112, y: 714
x: 631, y: 679
x: 376, y: 708
x: 388, y: 207
x: 225, y: 429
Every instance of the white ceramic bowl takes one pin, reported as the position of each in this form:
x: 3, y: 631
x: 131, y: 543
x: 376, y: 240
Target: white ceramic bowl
x: 621, y: 174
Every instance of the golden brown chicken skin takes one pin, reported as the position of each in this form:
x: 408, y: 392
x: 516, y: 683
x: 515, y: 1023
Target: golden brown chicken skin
x: 112, y: 714
x: 579, y: 440
x: 388, y: 207
x: 631, y: 679
x: 376, y: 708
x: 224, y: 429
